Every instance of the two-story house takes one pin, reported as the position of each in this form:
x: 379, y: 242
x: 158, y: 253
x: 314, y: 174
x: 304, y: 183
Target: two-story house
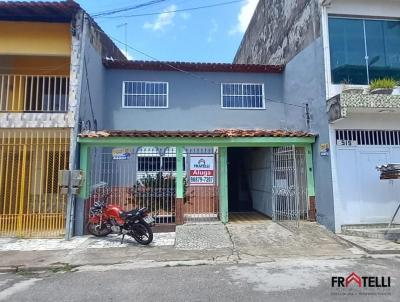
x: 333, y: 50
x: 46, y: 55
x: 197, y: 142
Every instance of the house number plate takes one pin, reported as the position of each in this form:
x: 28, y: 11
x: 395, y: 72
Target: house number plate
x: 345, y: 142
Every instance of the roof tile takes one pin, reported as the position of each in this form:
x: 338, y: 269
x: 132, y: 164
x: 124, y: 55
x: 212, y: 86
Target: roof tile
x: 192, y: 66
x: 198, y: 134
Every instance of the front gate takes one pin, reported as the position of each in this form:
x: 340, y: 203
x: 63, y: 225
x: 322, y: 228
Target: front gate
x: 288, y: 186
x: 201, y: 202
x: 30, y: 201
x: 136, y: 177
x: 146, y: 177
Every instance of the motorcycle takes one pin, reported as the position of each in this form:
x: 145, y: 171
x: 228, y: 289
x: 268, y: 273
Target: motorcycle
x: 105, y: 219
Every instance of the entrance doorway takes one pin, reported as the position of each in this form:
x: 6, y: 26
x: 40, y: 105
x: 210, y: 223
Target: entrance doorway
x: 268, y: 181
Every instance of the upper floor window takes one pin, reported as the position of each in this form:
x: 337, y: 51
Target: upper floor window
x: 141, y: 94
x: 362, y: 50
x: 242, y: 96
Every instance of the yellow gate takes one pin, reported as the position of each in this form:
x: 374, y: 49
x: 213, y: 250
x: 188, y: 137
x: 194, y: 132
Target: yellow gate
x: 30, y: 201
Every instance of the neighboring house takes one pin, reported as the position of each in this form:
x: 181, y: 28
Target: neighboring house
x: 197, y: 142
x: 329, y: 47
x: 45, y: 50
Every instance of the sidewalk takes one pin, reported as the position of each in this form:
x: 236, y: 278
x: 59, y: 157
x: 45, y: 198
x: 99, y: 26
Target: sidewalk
x: 200, y: 244
x: 46, y: 254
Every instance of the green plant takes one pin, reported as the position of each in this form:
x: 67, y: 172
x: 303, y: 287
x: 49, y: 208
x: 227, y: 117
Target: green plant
x: 385, y: 83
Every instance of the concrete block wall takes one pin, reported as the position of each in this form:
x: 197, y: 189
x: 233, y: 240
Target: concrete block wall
x: 279, y: 30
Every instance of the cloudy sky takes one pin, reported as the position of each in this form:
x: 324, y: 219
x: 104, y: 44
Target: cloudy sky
x: 182, y: 32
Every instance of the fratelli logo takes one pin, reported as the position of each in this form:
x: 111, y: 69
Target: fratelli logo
x: 202, y: 164
x: 354, y: 280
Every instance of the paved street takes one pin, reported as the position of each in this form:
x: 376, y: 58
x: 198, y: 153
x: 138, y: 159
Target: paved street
x: 281, y: 280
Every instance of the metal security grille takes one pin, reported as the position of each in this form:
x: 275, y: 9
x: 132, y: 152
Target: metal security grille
x: 368, y: 137
x: 301, y: 180
x: 146, y: 177
x: 32, y: 93
x: 30, y: 202
x: 286, y: 192
x: 242, y: 95
x: 136, y: 177
x: 201, y: 202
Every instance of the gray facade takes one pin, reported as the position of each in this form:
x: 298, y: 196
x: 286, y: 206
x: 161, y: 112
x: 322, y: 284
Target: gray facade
x: 290, y: 34
x: 194, y: 102
x: 304, y: 82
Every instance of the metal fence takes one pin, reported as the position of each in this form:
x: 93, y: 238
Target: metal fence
x: 289, y: 186
x: 146, y: 177
x: 33, y: 93
x: 201, y: 203
x: 30, y: 201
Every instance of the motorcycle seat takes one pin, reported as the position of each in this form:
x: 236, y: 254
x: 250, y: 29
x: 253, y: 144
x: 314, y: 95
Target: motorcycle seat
x: 130, y: 213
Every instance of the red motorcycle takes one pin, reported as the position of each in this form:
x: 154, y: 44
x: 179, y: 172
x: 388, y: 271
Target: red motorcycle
x: 106, y: 218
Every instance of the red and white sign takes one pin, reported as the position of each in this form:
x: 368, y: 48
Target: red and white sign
x: 202, y: 171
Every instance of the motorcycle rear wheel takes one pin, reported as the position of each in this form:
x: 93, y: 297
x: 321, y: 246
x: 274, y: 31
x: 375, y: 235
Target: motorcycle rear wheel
x: 98, y: 231
x: 142, y: 233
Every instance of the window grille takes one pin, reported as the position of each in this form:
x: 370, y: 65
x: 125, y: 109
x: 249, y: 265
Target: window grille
x: 242, y: 96
x: 142, y: 94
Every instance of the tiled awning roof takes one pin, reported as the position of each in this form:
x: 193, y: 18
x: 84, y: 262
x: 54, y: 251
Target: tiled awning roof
x: 46, y: 11
x: 198, y: 134
x: 192, y: 66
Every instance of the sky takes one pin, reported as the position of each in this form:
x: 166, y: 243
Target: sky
x: 204, y: 35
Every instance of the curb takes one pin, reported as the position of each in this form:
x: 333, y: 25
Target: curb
x: 23, y: 268
x: 372, y: 252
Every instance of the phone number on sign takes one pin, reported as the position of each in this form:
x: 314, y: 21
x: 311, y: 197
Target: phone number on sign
x: 202, y: 179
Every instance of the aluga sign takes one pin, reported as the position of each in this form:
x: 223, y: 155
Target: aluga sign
x: 202, y: 169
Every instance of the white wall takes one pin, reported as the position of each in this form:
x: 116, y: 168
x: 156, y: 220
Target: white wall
x: 259, y: 175
x: 359, y: 195
x: 376, y: 8
x: 355, y: 8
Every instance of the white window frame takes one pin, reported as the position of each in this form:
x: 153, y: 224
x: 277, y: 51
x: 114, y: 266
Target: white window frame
x: 144, y: 107
x: 243, y: 108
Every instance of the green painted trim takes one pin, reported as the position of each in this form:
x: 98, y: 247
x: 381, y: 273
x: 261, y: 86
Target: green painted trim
x: 223, y: 184
x: 310, y: 171
x: 193, y: 141
x: 84, y: 166
x: 179, y: 172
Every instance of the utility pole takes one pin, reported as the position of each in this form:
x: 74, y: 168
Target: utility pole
x: 125, y: 25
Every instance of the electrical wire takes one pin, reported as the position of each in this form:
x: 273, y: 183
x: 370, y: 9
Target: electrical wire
x: 121, y: 10
x: 88, y: 89
x: 171, y: 11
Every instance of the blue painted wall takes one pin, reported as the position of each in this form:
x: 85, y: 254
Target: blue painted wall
x: 194, y: 102
x: 304, y: 82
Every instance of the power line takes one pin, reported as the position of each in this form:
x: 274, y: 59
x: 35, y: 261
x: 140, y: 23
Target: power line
x: 172, y: 11
x: 88, y: 90
x: 120, y: 10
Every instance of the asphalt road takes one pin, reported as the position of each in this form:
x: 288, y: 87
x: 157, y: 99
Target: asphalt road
x: 283, y: 280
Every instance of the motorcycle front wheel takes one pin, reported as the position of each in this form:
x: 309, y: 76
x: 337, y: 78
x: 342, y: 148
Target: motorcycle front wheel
x: 98, y: 230
x: 142, y: 233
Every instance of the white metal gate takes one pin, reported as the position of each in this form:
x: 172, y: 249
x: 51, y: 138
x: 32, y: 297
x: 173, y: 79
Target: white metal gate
x: 361, y: 196
x: 285, y: 187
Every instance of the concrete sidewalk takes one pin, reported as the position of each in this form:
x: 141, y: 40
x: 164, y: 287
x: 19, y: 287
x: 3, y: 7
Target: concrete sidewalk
x: 202, y: 244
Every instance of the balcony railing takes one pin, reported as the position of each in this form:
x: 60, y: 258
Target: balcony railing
x: 33, y: 93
